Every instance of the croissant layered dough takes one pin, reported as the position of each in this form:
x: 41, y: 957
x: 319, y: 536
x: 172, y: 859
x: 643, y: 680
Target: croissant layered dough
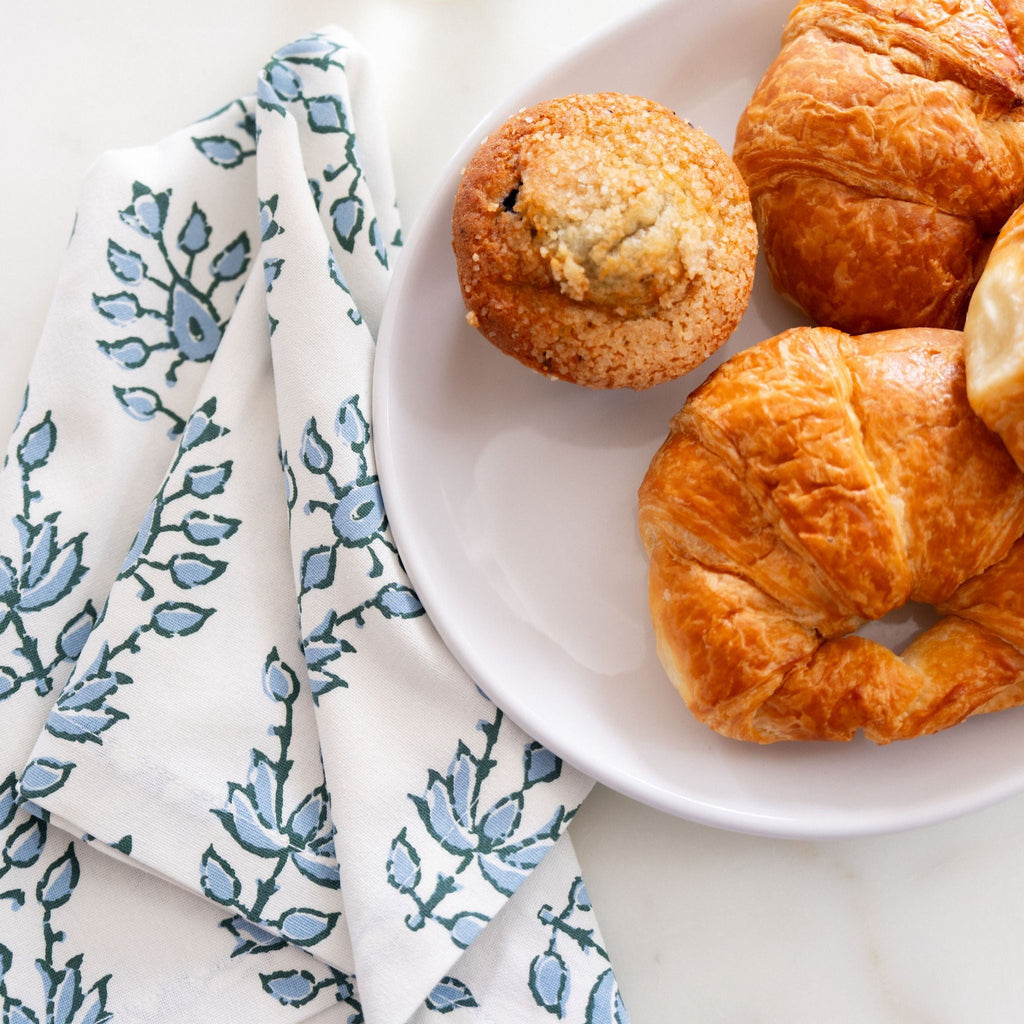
x: 994, y: 339
x: 883, y: 150
x: 815, y: 482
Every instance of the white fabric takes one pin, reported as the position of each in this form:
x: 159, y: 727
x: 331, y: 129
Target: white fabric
x: 242, y: 779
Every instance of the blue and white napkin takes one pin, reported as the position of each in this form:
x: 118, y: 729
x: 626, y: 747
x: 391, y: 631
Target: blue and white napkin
x: 241, y: 778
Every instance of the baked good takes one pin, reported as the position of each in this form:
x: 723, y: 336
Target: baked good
x: 994, y: 339
x: 603, y: 240
x: 883, y: 150
x: 817, y: 481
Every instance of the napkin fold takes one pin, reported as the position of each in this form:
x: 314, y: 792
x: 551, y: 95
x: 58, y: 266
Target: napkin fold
x: 241, y: 778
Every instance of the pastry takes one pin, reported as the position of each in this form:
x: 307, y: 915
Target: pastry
x: 817, y: 481
x: 994, y: 339
x: 884, y: 150
x: 601, y: 239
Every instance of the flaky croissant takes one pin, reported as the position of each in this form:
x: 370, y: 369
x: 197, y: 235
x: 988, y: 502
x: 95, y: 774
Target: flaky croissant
x: 883, y: 150
x: 817, y: 481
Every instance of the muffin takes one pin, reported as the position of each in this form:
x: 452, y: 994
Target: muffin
x: 600, y: 239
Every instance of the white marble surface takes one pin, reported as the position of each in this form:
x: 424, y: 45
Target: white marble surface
x: 703, y: 926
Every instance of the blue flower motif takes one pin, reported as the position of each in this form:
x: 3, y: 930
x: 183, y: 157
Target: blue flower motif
x: 455, y: 818
x: 63, y: 997
x: 261, y: 820
x: 42, y: 575
x: 358, y: 517
x: 551, y: 971
x: 189, y: 326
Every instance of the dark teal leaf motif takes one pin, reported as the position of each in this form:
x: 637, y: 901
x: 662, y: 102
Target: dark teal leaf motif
x: 347, y: 220
x: 455, y: 819
x: 222, y: 151
x: 326, y: 114
x: 189, y: 569
x: 314, y: 451
x: 549, y: 982
x: 200, y: 428
x: 397, y: 601
x: 465, y: 926
x: 125, y: 265
x: 551, y: 971
x: 129, y: 353
x: 43, y: 573
x: 299, y: 987
x: 8, y: 801
x: 144, y: 404
x: 205, y: 529
x: 269, y: 227
x: 229, y: 151
x: 250, y: 938
x: 182, y: 317
x: 284, y: 82
x: 263, y: 818
x: 318, y: 566
x: 290, y: 988
x: 218, y: 879
x: 232, y: 261
x: 403, y: 865
x: 267, y: 98
x: 59, y: 880
x: 147, y: 212
x: 36, y: 447
x: 271, y: 272
x: 85, y: 709
x: 378, y: 242
x: 42, y: 776
x: 194, y: 237
x: 302, y: 926
x: 204, y: 481
x: 121, y: 308
x: 336, y: 468
x: 450, y: 994
x: 64, y: 997
x: 53, y: 569
x: 179, y: 618
x: 605, y: 1005
x: 19, y: 1013
x: 24, y: 844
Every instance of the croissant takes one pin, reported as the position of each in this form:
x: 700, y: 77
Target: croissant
x: 883, y: 150
x: 815, y: 482
x: 994, y: 339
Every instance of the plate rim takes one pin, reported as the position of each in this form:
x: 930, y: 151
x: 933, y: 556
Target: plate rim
x: 880, y: 821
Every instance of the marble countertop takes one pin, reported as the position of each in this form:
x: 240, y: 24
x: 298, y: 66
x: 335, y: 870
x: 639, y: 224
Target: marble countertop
x: 702, y: 925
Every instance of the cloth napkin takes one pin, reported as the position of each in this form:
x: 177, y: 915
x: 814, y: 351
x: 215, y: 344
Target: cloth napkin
x: 241, y: 778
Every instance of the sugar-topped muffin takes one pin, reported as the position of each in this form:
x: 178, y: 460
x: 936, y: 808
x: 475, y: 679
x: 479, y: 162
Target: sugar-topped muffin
x: 603, y: 240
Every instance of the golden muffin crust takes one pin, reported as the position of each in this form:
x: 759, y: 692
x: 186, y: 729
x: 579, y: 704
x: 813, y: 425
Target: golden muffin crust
x: 603, y: 240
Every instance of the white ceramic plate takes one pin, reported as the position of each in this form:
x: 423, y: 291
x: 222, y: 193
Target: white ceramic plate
x: 513, y: 502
